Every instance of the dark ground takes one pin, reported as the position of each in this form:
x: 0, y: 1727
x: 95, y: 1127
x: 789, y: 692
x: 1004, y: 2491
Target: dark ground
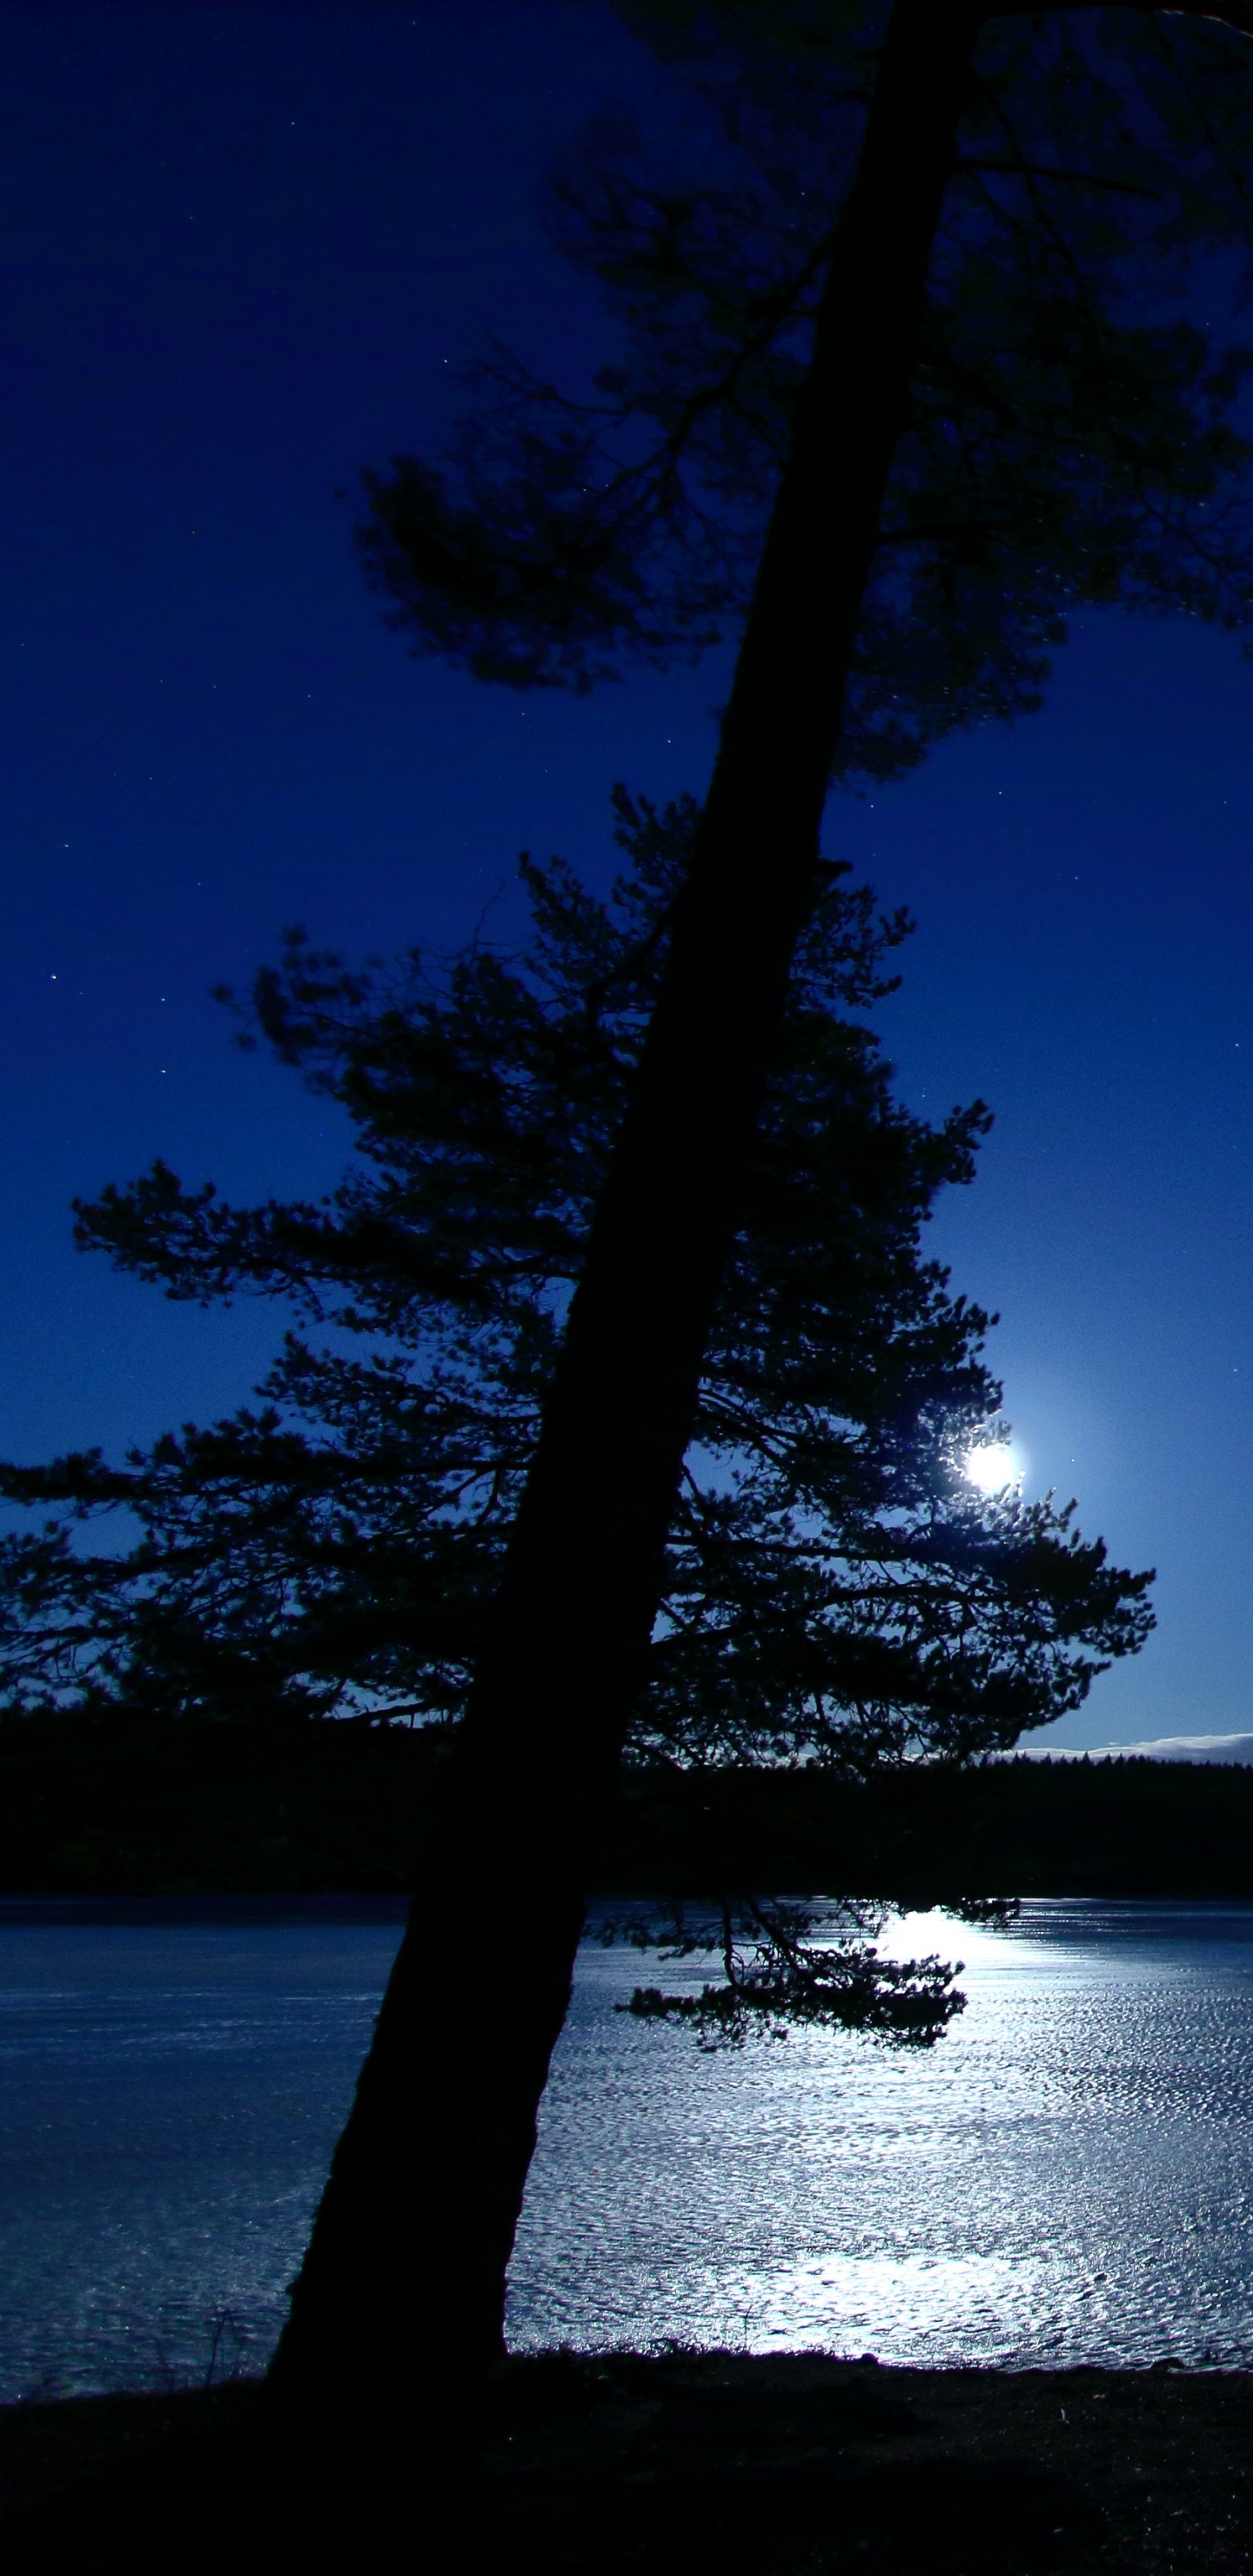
x: 784, y: 2467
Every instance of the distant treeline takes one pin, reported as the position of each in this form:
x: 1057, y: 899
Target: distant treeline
x: 1018, y: 1828
x: 135, y: 1808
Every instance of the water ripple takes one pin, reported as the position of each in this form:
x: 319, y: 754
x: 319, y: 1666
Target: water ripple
x: 1067, y: 2177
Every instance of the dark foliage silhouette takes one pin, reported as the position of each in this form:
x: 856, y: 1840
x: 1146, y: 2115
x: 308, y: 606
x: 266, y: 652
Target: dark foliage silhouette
x: 835, y: 1587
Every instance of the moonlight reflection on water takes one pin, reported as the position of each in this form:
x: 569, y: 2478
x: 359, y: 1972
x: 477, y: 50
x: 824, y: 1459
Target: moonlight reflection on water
x: 1068, y: 2176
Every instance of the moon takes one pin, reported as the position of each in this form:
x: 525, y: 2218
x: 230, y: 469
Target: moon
x: 991, y: 1470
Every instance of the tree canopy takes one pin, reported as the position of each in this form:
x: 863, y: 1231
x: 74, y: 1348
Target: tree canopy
x: 1073, y: 433
x: 836, y: 1589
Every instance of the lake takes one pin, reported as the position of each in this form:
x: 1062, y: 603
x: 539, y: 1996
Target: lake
x: 1067, y: 2177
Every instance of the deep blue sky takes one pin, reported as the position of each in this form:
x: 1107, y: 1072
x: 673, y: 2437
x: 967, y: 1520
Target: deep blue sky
x: 240, y: 244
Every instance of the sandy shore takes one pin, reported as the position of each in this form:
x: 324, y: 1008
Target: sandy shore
x: 791, y: 2466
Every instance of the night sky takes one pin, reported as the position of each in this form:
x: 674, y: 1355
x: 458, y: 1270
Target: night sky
x: 241, y: 246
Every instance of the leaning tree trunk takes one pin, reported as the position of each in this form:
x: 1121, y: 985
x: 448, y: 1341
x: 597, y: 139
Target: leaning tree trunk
x: 406, y: 2266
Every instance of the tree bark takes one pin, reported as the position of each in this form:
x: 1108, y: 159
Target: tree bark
x: 405, y: 2269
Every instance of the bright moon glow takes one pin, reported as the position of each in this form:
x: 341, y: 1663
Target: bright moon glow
x: 992, y: 1469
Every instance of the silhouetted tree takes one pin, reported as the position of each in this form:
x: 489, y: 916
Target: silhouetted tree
x: 910, y: 367
x: 835, y: 1589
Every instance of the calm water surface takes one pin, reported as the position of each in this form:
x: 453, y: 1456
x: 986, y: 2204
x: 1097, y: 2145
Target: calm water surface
x: 1067, y: 2176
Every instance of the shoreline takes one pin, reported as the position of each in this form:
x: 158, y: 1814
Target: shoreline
x: 788, y: 2465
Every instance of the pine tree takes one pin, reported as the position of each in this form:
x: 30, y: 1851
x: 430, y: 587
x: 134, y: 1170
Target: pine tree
x: 835, y: 1589
x: 912, y: 365
x: 910, y: 369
